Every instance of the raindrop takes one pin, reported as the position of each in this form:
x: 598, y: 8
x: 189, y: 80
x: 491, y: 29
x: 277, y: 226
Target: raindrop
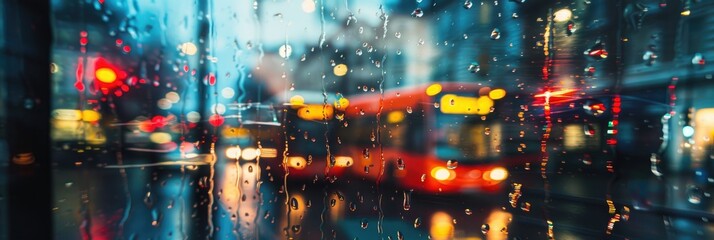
x: 353, y: 206
x: 452, y: 164
x: 474, y: 67
x: 409, y: 109
x: 485, y: 228
x: 296, y: 228
x: 361, y: 30
x: 364, y: 223
x: 436, y: 105
x: 495, y: 34
x: 423, y: 177
x: 695, y: 195
x: 294, y: 203
x: 417, y: 222
x: 589, y: 130
x: 487, y: 131
x: 365, y: 153
x: 398, y: 34
x: 417, y: 13
x: 399, y: 235
x: 400, y: 164
x: 407, y: 200
x: 333, y: 202
x: 468, y: 4
x: 468, y: 212
x: 358, y: 52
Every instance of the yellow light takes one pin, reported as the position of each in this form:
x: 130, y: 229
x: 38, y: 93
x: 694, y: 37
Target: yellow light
x: 189, y: 48
x: 395, y: 117
x: 316, y: 112
x: 160, y: 137
x: 342, y: 104
x: 233, y: 152
x: 91, y: 116
x: 234, y: 132
x: 297, y: 162
x: 308, y: 6
x: 433, y: 89
x: 562, y: 15
x: 442, y: 227
x: 498, y: 174
x: 297, y: 100
x: 440, y: 173
x: 250, y: 154
x: 106, y: 75
x: 497, y: 93
x: 454, y: 104
x: 268, y: 152
x: 686, y: 12
x: 343, y: 161
x: 484, y: 105
x: 340, y: 70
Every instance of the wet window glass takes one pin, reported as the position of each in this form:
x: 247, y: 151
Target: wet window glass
x: 356, y: 119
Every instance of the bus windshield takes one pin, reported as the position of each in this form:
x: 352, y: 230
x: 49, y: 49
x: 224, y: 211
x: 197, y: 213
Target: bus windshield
x: 466, y: 137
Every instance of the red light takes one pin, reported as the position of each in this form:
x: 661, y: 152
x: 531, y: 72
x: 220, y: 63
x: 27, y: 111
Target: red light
x: 126, y: 49
x: 212, y: 79
x: 108, y: 77
x: 79, y: 84
x: 216, y: 120
x: 185, y: 68
x: 119, y: 42
x: 158, y: 121
x: 83, y: 34
x: 83, y: 41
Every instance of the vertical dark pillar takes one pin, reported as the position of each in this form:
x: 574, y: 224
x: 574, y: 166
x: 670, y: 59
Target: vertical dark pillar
x: 26, y: 59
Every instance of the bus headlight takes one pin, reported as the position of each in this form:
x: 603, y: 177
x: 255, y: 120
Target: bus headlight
x: 298, y: 163
x: 498, y: 174
x: 441, y: 174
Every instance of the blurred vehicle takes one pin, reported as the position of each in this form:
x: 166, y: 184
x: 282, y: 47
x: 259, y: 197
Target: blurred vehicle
x: 443, y: 137
x: 310, y: 131
x: 248, y: 132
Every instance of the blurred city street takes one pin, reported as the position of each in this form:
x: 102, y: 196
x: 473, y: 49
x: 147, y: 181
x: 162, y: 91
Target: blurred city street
x: 374, y: 119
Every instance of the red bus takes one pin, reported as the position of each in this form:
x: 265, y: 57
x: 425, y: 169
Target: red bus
x: 442, y: 137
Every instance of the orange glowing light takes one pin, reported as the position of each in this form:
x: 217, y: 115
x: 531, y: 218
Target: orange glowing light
x: 106, y: 75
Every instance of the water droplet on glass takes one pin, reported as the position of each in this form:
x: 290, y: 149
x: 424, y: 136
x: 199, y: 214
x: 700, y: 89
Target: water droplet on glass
x: 436, y: 105
x: 474, y: 67
x: 365, y: 153
x: 423, y: 177
x: 417, y: 222
x: 409, y: 110
x: 361, y: 30
x: 399, y: 235
x: 495, y: 34
x: 417, y: 13
x: 364, y: 223
x: 294, y: 203
x: 296, y: 228
x: 468, y: 212
x: 695, y: 195
x: 468, y: 4
x: 400, y: 164
x: 353, y: 206
x: 358, y: 52
x: 407, y: 200
x: 485, y: 228
x: 452, y: 164
x: 398, y: 34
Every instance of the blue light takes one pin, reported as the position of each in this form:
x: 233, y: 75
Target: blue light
x: 688, y: 131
